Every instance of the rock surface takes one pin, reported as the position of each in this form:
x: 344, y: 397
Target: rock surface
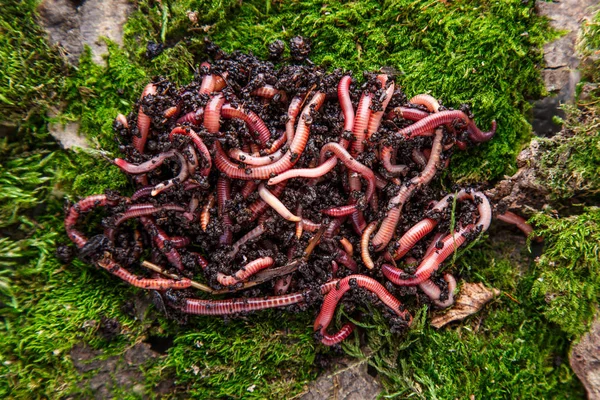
x: 585, y: 361
x: 72, y: 25
x: 350, y: 382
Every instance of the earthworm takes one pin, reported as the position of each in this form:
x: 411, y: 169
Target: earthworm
x: 182, y: 176
x: 333, y: 226
x: 269, y: 92
x: 340, y: 211
x: 395, y: 205
x: 180, y: 242
x: 171, y: 112
x: 212, y: 113
x: 413, y: 235
x: 394, y: 170
x: 255, y: 123
x: 309, y: 225
x: 193, y: 117
x: 299, y: 226
x: 434, y: 292
x: 345, y: 102
x: 198, y: 143
x: 432, y: 245
x: 376, y: 117
x: 276, y: 204
x: 411, y: 114
x: 286, y: 162
x: 359, y: 130
x: 146, y: 166
x: 143, y: 121
x: 245, y: 272
x: 293, y: 111
x: 351, y: 164
x: 248, y: 188
x: 253, y: 234
x: 190, y: 213
x: 260, y: 206
x: 335, y: 295
x: 426, y: 125
x: 426, y: 100
x: 364, y: 245
x: 162, y: 241
x: 121, y: 119
x: 282, y: 284
x: 224, y: 196
x: 346, y: 260
x: 138, y: 210
x: 82, y: 206
x: 205, y: 214
x: 208, y: 81
x: 339, y: 336
x: 418, y: 157
x: 144, y: 283
x: 220, y: 82
x: 519, y: 222
x: 250, y: 159
x: 347, y: 246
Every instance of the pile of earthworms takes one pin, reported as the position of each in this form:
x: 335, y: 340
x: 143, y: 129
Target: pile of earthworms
x: 270, y: 187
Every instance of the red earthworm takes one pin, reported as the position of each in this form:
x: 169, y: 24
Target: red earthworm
x: 179, y: 241
x: 82, y: 206
x: 220, y: 82
x: 432, y: 245
x: 143, y: 121
x: 212, y: 113
x: 358, y: 222
x: 334, y: 268
x: 162, y: 241
x: 181, y: 177
x: 260, y: 206
x: 192, y: 159
x: 310, y: 226
x: 293, y: 111
x: 347, y: 246
x: 248, y: 188
x: 359, y: 130
x: 138, y: 210
x: 418, y: 157
x: 245, y: 272
x: 519, y: 222
x: 144, y: 283
x: 352, y: 164
x: 234, y: 306
x: 333, y: 226
x: 171, y: 112
x: 299, y: 226
x: 394, y: 170
x: 277, y: 144
x: 345, y: 102
x: 292, y: 156
x: 250, y: 159
x: 141, y: 193
x: 395, y: 205
x: 193, y: 117
x: 450, y: 243
x: 269, y: 92
x: 340, y: 211
x: 335, y: 295
x: 198, y: 143
x: 282, y: 284
x: 312, y: 173
x: 376, y: 117
x: 224, y: 196
x: 255, y: 123
x: 205, y: 214
x: 426, y: 100
x: 346, y: 259
x: 121, y: 119
x: 411, y: 114
x: 208, y: 81
x: 483, y: 206
x: 413, y: 235
x: 434, y: 292
x: 201, y: 260
x: 380, y: 181
x: 253, y: 234
x: 476, y: 135
x: 146, y: 166
x: 364, y: 245
x: 426, y: 126
x: 339, y: 336
x: 276, y: 204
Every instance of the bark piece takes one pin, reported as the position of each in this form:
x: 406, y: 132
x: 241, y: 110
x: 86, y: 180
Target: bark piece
x: 472, y: 298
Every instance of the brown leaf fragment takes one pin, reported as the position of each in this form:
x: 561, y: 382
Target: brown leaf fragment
x: 472, y: 297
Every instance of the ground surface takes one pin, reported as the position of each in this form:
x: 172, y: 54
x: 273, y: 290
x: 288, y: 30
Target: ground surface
x: 69, y: 328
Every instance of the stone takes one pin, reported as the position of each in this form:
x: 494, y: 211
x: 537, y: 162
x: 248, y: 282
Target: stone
x: 585, y: 360
x: 71, y: 25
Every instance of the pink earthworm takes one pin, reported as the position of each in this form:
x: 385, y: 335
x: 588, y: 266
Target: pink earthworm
x: 121, y: 119
x: 259, y: 207
x: 181, y: 177
x: 276, y: 204
x: 425, y: 126
x: 413, y: 235
x: 519, y: 222
x: 220, y: 82
x: 450, y: 243
x: 340, y: 211
x: 248, y: 188
x: 282, y: 284
x: 426, y: 100
x: 224, y: 196
x: 395, y: 205
x: 245, y: 272
x: 269, y: 92
x: 253, y: 234
x: 277, y: 144
x: 375, y: 119
x: 432, y: 245
x: 208, y: 81
x: 394, y: 170
x: 418, y: 157
x: 144, y: 283
x: 364, y: 245
x: 193, y: 117
x: 292, y: 156
x: 82, y: 206
x: 346, y: 260
x: 411, y: 114
x: 351, y: 164
x: 309, y: 225
x: 333, y: 227
x: 234, y: 306
x: 162, y: 241
x: 255, y: 123
x: 250, y: 159
x: 346, y: 102
x: 171, y: 112
x: 145, y: 209
x: 212, y: 113
x: 146, y: 166
x: 335, y: 295
x: 198, y: 143
x: 434, y: 292
x: 143, y: 121
x: 293, y: 111
x: 205, y: 214
x: 179, y: 242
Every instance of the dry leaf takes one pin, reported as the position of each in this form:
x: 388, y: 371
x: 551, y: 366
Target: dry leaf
x: 472, y: 297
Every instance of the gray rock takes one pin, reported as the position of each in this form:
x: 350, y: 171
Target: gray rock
x: 585, y: 361
x: 72, y: 26
x: 349, y: 383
